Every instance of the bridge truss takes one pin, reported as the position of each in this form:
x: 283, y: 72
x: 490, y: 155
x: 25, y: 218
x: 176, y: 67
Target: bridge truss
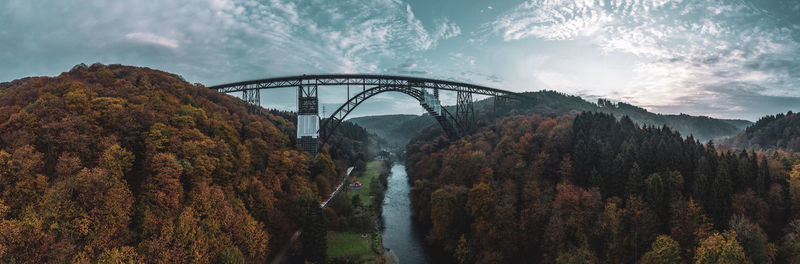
x: 309, y: 131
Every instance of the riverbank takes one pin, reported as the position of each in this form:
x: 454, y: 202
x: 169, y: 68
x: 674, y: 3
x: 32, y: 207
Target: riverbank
x: 354, y: 235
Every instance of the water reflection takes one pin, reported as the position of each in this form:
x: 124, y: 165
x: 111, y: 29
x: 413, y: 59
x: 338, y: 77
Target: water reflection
x: 400, y: 233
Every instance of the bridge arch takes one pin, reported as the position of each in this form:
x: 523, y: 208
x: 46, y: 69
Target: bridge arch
x: 445, y: 119
x: 308, y: 127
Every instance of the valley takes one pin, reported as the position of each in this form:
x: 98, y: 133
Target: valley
x: 400, y: 131
x: 159, y: 155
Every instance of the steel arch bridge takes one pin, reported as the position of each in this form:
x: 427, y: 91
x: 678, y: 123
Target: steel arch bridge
x: 309, y: 131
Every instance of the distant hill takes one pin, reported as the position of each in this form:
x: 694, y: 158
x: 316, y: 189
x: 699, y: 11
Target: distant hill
x: 700, y: 127
x: 395, y: 129
x: 401, y: 128
x: 772, y: 132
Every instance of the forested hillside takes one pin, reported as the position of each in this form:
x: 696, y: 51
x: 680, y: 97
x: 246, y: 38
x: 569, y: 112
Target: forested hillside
x: 353, y: 145
x: 592, y: 188
x: 772, y: 132
x: 700, y: 127
x: 401, y: 128
x: 116, y: 163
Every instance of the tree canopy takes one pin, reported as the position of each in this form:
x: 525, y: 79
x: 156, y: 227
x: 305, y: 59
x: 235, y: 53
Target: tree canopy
x: 124, y: 164
x: 598, y: 188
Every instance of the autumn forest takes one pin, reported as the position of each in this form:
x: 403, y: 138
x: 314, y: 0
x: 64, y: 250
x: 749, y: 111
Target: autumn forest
x: 116, y: 164
x: 120, y: 164
x: 591, y: 188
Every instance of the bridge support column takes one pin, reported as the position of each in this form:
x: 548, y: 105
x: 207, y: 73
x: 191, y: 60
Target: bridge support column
x: 308, y: 119
x: 464, y: 112
x: 253, y: 100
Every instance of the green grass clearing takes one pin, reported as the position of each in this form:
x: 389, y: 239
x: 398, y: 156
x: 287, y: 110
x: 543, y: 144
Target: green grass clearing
x: 343, y: 244
x: 367, y: 179
x: 352, y: 245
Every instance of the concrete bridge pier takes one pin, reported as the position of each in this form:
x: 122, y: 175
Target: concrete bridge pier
x: 308, y: 119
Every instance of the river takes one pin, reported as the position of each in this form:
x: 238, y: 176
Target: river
x: 400, y: 233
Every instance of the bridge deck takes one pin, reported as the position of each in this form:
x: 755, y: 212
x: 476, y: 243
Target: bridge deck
x: 360, y: 80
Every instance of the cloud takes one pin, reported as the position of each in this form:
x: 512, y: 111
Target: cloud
x: 654, y: 53
x: 410, y: 66
x: 215, y: 41
x: 552, y: 20
x: 480, y: 78
x: 740, y: 100
x: 149, y: 38
x: 683, y: 49
x: 447, y: 30
x: 425, y: 41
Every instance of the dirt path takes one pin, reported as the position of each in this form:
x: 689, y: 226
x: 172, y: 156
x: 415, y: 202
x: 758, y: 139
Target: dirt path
x: 339, y: 188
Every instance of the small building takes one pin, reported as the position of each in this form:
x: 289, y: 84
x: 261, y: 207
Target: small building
x: 355, y: 185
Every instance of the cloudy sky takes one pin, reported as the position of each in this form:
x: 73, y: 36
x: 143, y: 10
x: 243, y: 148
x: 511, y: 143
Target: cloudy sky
x: 731, y: 58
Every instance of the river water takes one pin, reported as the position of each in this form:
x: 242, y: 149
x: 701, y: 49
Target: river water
x: 400, y: 233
